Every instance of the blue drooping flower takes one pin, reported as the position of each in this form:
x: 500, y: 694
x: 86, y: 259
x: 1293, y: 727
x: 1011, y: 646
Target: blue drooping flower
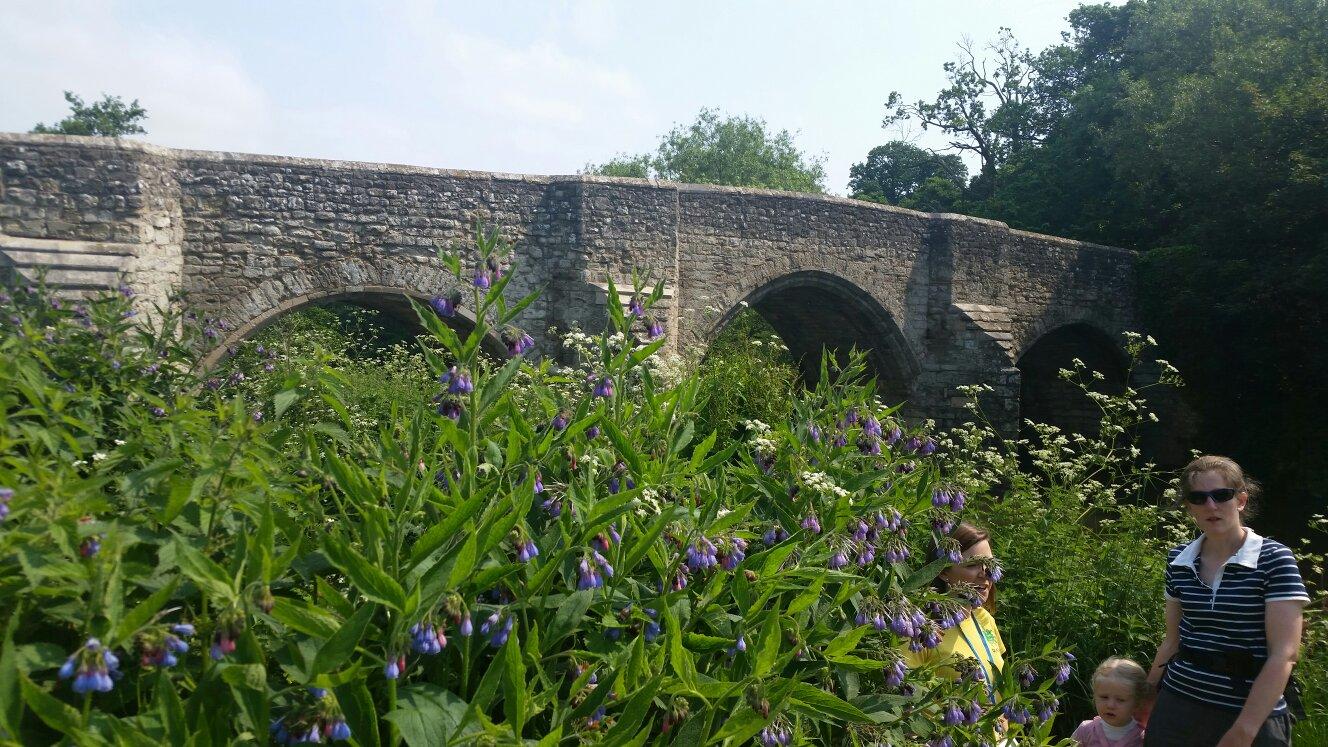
x: 654, y: 329
x: 872, y: 427
x: 483, y: 280
x: 587, y: 576
x: 499, y: 636
x: 457, y: 382
x: 451, y: 408
x: 811, y: 523
x: 526, y: 551
x: 93, y: 667
x: 604, y: 388
x: 560, y: 421
x: 427, y: 639
x: 701, y: 554
x: 5, y: 495
x: 446, y: 306
x: 338, y: 730
x: 739, y: 646
x: 635, y: 307
x: 517, y: 342
x: 1062, y: 673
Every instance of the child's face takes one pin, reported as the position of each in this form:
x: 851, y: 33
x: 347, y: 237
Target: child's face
x: 1114, y: 700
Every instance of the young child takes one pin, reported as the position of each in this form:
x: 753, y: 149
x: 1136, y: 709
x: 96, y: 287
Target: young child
x: 1120, y: 689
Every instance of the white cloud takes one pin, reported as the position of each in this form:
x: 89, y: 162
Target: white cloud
x: 196, y: 93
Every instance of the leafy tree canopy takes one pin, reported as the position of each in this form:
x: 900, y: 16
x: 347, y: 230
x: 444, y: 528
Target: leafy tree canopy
x: 1192, y: 130
x: 739, y: 151
x: 110, y: 117
x: 898, y: 172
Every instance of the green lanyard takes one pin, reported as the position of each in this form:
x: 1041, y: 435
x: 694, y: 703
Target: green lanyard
x: 990, y: 662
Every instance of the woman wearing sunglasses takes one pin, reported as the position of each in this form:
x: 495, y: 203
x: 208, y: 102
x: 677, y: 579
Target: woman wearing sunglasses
x: 1234, y: 604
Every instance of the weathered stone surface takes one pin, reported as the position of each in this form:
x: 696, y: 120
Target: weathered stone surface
x: 937, y: 300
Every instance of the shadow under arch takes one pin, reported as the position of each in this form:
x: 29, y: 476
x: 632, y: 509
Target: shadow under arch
x: 813, y: 310
x: 1044, y: 397
x: 393, y: 303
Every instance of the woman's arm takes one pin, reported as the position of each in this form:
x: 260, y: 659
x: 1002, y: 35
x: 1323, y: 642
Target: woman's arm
x: 1282, y: 621
x: 1170, y: 644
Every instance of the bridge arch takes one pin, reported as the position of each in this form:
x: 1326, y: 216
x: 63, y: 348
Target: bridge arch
x: 1045, y: 397
x: 349, y: 281
x: 813, y: 309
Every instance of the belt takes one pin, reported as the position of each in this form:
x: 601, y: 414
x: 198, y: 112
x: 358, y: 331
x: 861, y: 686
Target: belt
x: 1240, y: 665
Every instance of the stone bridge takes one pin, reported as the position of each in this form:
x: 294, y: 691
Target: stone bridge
x: 937, y: 300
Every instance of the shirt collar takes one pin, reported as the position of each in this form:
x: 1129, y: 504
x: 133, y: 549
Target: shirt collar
x: 1247, y: 555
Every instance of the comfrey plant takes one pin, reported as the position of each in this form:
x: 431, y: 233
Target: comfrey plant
x: 573, y: 564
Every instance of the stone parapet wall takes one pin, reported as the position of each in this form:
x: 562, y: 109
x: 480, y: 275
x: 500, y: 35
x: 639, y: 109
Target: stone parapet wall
x: 936, y: 300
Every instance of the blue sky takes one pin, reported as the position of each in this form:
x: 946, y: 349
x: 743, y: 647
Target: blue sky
x: 528, y: 87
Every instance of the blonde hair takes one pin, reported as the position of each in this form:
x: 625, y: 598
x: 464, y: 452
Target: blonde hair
x: 1229, y: 470
x: 1125, y: 670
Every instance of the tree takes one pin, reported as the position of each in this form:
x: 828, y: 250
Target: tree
x: 110, y: 117
x: 895, y: 172
x: 715, y: 149
x: 1192, y: 130
x: 636, y: 167
x: 995, y: 108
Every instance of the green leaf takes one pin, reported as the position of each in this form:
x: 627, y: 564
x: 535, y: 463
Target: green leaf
x: 370, y: 580
x: 926, y: 574
x: 342, y: 644
x: 739, y: 726
x: 813, y: 702
x: 358, y: 707
x: 514, y: 684
x: 248, y: 676
x: 846, y: 642
x: 703, y: 448
x: 172, y: 710
x: 142, y: 614
x: 53, y: 712
x: 465, y: 560
x: 642, y: 544
x: 634, y: 712
x: 438, y: 534
x: 808, y: 597
x: 298, y: 614
x: 565, y: 620
x: 767, y: 651
x: 282, y: 401
x: 209, y: 576
x: 427, y: 715
x: 11, y: 709
x: 622, y: 445
x: 679, y: 657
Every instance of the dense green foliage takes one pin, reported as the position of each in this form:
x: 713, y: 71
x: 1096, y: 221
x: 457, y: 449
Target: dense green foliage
x: 747, y: 375
x: 903, y: 174
x: 376, y: 366
x: 110, y: 117
x: 1193, y: 130
x: 732, y: 150
x: 479, y: 570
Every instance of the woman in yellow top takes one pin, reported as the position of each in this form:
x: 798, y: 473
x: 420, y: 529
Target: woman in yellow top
x: 976, y: 638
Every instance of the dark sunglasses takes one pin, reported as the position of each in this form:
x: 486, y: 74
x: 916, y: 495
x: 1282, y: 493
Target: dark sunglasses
x: 1221, y: 495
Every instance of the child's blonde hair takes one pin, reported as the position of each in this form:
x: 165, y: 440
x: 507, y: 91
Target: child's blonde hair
x: 1125, y: 670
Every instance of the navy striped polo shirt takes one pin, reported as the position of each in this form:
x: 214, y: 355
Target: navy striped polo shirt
x: 1229, y: 615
